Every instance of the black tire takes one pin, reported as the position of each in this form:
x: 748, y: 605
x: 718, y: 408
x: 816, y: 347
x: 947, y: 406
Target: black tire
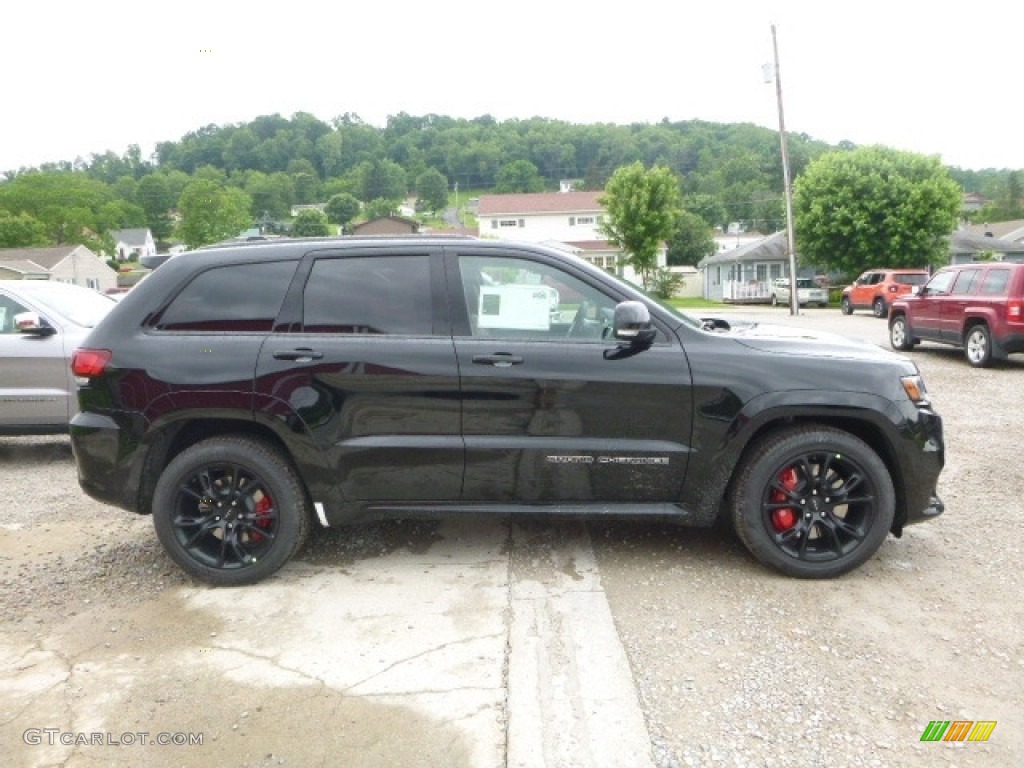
x: 878, y: 308
x: 775, y: 300
x: 812, y: 502
x: 845, y: 305
x: 978, y: 345
x: 230, y: 511
x: 899, y: 333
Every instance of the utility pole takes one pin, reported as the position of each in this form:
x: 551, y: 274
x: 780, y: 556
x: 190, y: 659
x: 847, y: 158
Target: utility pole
x: 794, y: 301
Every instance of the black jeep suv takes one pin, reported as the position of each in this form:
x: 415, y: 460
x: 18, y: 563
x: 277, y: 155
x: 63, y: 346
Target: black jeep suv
x: 242, y: 390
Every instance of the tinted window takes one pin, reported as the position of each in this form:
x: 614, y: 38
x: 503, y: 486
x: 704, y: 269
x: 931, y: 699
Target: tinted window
x: 521, y: 299
x: 966, y: 281
x: 369, y: 294
x: 240, y: 297
x: 995, y: 282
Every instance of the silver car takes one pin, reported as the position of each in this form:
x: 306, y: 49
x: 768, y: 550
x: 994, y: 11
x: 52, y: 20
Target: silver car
x: 41, y: 323
x: 807, y: 292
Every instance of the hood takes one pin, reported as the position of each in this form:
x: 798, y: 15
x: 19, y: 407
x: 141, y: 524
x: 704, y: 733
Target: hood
x: 792, y: 340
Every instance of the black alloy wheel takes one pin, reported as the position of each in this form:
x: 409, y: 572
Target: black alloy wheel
x: 230, y: 511
x: 813, y: 502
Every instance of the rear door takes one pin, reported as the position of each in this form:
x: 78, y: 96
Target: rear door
x: 367, y: 367
x: 953, y: 308
x: 549, y: 413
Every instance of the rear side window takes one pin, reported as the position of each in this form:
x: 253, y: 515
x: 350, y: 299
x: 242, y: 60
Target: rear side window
x: 369, y: 294
x: 238, y: 297
x: 995, y: 282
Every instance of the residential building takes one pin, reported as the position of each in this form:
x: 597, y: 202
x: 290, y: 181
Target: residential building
x: 387, y: 225
x: 745, y: 274
x: 64, y: 263
x: 133, y: 244
x: 567, y: 220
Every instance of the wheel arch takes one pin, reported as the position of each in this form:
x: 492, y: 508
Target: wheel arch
x: 860, y: 424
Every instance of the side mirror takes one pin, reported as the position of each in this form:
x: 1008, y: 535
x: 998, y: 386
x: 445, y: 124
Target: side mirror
x: 32, y: 324
x: 632, y: 323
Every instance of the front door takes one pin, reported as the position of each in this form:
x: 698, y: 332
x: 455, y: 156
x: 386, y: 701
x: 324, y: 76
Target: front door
x: 548, y: 413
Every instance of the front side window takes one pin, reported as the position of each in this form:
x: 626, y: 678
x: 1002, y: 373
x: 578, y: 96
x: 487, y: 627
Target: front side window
x: 369, y: 295
x: 8, y: 309
x: 513, y: 298
x: 941, y: 282
x: 236, y: 298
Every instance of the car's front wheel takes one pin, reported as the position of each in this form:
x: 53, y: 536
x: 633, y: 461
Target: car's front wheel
x: 775, y: 300
x: 812, y: 502
x: 230, y: 510
x: 846, y: 306
x: 899, y: 333
x: 978, y: 345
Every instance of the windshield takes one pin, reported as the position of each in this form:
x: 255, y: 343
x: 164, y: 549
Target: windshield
x: 806, y: 282
x: 81, y: 306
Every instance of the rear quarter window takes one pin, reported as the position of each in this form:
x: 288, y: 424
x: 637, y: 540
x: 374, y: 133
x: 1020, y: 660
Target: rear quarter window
x: 236, y: 298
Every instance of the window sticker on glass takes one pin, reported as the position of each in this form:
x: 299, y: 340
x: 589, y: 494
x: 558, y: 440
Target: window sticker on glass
x: 514, y: 306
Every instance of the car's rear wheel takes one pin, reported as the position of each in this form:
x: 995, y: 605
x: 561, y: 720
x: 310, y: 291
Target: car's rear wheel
x: 230, y: 510
x: 812, y: 502
x: 978, y: 345
x: 899, y: 333
x: 845, y: 305
x: 878, y: 307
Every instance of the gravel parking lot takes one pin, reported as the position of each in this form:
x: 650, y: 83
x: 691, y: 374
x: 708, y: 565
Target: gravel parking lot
x: 733, y: 665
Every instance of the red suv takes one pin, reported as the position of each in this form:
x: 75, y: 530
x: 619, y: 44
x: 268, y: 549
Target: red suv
x: 877, y: 289
x: 979, y: 307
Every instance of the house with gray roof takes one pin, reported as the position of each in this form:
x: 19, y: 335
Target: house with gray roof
x: 133, y: 244
x: 745, y: 274
x: 65, y: 263
x: 966, y: 247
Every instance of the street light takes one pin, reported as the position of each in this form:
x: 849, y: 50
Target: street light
x: 794, y: 301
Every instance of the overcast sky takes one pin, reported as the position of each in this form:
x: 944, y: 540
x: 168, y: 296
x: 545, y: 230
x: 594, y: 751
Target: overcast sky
x: 84, y: 77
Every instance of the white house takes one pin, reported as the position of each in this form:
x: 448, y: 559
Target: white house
x: 570, y: 221
x: 133, y: 244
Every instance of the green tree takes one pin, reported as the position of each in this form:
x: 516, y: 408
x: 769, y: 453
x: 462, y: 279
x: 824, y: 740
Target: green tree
x: 154, y: 195
x: 342, y: 208
x: 20, y: 230
x: 518, y: 176
x: 875, y: 207
x: 310, y: 223
x: 432, y: 190
x: 379, y: 208
x: 378, y: 179
x: 641, y: 208
x: 211, y: 211
x: 691, y: 240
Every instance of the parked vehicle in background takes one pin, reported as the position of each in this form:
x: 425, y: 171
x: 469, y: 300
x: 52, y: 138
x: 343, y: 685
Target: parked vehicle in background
x: 979, y: 307
x: 807, y: 292
x: 41, y: 323
x: 242, y: 391
x: 877, y: 289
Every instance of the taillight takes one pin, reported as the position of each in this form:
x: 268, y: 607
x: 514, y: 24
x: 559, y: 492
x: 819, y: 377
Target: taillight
x: 89, y: 362
x: 1014, y: 310
x: 893, y: 288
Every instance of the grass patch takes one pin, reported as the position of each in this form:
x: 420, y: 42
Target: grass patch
x: 694, y: 302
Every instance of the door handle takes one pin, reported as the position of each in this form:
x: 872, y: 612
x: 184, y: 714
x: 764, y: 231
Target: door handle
x: 300, y: 355
x: 498, y: 360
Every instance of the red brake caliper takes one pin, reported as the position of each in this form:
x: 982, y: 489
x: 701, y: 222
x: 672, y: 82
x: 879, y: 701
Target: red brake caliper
x: 263, y: 518
x: 785, y: 518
